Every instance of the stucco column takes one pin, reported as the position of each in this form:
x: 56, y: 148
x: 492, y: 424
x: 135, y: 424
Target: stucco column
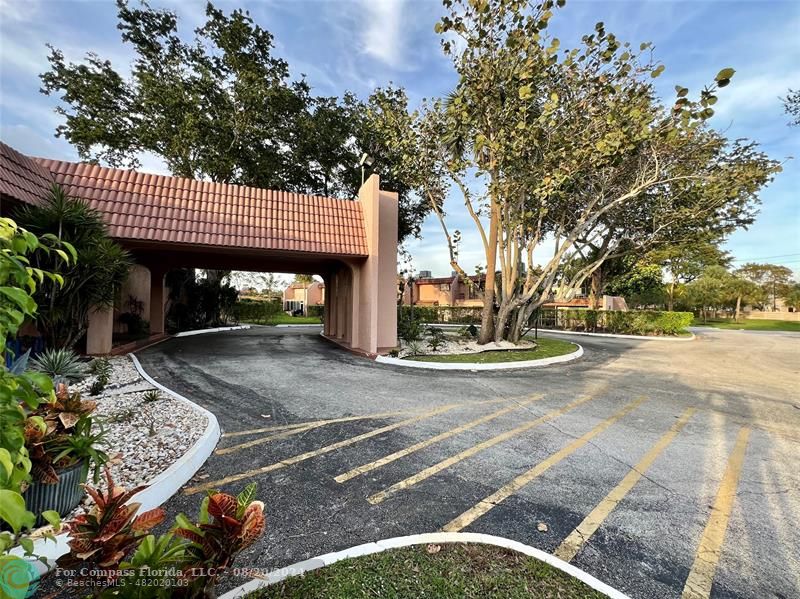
x: 100, y: 331
x: 157, y: 299
x: 375, y: 280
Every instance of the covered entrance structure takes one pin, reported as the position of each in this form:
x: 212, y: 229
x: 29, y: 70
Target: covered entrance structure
x: 173, y: 222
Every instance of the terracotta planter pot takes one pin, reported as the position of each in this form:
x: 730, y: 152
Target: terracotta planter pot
x: 63, y: 496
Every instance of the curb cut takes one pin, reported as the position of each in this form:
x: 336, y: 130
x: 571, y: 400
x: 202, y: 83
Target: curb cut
x: 476, y: 366
x: 163, y: 486
x: 423, y: 539
x: 216, y: 330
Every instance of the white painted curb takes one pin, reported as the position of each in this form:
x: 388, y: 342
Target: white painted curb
x: 475, y: 366
x: 166, y: 484
x: 162, y: 487
x: 423, y: 539
x: 216, y: 330
x: 691, y: 337
x: 290, y: 326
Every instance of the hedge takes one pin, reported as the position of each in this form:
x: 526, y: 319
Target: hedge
x: 256, y: 312
x: 633, y: 322
x: 315, y: 311
x: 441, y: 314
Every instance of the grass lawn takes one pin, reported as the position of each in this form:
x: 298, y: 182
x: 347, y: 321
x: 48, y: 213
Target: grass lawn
x: 455, y: 571
x: 548, y: 348
x: 751, y: 325
x: 284, y: 319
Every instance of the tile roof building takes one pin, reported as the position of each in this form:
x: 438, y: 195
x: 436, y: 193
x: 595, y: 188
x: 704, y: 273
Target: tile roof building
x: 169, y: 222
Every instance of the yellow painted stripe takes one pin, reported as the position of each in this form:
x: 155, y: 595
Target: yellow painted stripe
x: 467, y: 453
x: 328, y: 448
x: 297, y: 429
x: 572, y: 544
x: 428, y: 442
x: 313, y: 423
x: 515, y: 485
x: 701, y: 576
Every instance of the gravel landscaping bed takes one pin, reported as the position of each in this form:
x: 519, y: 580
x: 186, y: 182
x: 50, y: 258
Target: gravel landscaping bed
x: 143, y: 438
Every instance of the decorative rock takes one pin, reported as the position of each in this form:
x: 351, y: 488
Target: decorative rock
x: 150, y: 436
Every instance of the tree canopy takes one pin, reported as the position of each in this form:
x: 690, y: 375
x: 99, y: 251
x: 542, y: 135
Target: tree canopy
x: 570, y: 147
x: 220, y: 105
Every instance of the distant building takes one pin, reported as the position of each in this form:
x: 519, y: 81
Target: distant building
x: 298, y: 296
x: 443, y: 291
x: 453, y: 291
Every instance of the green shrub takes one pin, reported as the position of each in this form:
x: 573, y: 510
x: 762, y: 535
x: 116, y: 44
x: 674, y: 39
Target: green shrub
x: 409, y: 330
x: 633, y: 322
x: 436, y: 338
x: 442, y: 314
x: 151, y: 395
x: 256, y: 312
x: 59, y: 363
x: 315, y: 311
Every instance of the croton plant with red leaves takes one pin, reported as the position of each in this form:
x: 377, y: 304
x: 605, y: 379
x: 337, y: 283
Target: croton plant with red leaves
x: 197, y: 552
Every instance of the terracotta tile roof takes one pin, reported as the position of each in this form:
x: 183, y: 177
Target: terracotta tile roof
x: 143, y: 206
x: 21, y: 177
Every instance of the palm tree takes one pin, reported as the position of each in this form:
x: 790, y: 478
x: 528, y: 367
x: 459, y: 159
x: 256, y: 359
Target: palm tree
x: 91, y: 281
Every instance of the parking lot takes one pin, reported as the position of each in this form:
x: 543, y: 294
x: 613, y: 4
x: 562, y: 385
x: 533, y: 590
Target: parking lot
x: 663, y: 468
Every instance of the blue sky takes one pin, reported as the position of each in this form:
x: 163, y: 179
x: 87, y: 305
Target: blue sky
x: 359, y: 44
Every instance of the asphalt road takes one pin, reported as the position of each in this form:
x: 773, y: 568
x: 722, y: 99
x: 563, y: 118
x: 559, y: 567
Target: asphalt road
x: 662, y: 468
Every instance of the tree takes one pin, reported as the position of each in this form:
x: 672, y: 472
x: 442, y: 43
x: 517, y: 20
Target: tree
x: 571, y: 147
x: 638, y: 281
x: 772, y: 278
x: 91, y: 281
x: 791, y: 104
x: 221, y: 106
x: 791, y: 296
x: 303, y: 279
x: 685, y: 262
x: 717, y: 288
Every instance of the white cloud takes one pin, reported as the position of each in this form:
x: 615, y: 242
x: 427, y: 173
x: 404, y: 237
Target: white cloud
x: 19, y: 10
x: 383, y: 33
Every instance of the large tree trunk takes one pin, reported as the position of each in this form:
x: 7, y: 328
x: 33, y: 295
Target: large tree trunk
x: 501, y: 320
x: 487, y: 316
x: 738, y: 308
x: 596, y: 289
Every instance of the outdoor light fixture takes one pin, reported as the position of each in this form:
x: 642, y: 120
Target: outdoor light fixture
x: 366, y: 160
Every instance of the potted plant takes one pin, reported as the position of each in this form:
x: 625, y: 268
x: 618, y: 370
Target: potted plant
x: 62, y: 440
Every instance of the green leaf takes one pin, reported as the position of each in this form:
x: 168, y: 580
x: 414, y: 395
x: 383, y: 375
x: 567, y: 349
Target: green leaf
x: 13, y: 512
x: 27, y: 545
x: 681, y: 91
x: 5, y: 462
x: 525, y: 92
x: 657, y: 71
x: 53, y: 518
x: 245, y: 498
x: 724, y: 74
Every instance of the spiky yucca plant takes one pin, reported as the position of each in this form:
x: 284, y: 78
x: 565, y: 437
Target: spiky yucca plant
x: 59, y: 363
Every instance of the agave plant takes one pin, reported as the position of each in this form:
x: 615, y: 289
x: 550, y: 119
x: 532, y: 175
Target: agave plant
x: 59, y: 363
x: 103, y: 535
x: 226, y: 526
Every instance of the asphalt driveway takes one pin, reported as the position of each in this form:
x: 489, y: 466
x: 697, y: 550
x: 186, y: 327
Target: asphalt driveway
x: 662, y: 468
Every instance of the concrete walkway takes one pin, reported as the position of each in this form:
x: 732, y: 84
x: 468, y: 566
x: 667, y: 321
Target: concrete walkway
x: 662, y: 469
